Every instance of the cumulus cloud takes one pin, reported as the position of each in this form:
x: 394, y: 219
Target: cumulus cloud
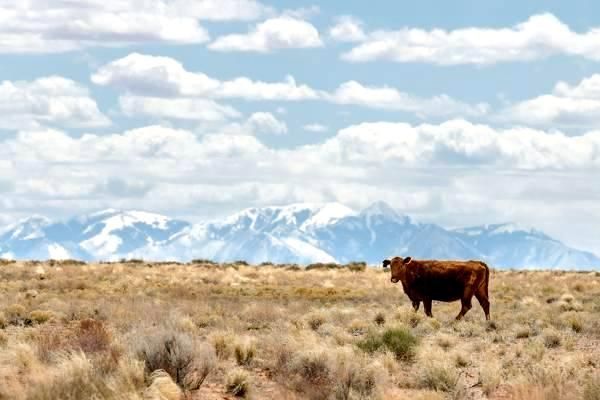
x: 389, y: 98
x: 164, y: 76
x: 178, y: 108
x: 266, y: 122
x: 257, y: 124
x: 282, y: 32
x: 50, y: 100
x: 570, y: 106
x: 348, y: 29
x: 455, y: 142
x: 540, y: 36
x: 459, y: 142
x: 59, y: 26
x: 455, y: 172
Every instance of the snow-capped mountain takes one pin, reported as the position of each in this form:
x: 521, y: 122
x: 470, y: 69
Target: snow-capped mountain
x: 276, y: 234
x: 107, y: 234
x: 515, y: 245
x: 297, y: 233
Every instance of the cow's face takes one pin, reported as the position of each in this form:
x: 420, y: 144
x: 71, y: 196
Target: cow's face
x: 398, y: 267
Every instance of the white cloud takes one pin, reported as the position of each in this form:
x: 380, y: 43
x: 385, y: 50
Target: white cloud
x: 315, y: 127
x: 282, y: 32
x: 50, y: 100
x: 267, y: 123
x: 181, y: 108
x: 389, y: 98
x: 348, y: 29
x: 164, y: 76
x: 455, y: 172
x: 258, y: 123
x: 459, y: 142
x: 220, y: 10
x: 58, y: 26
x: 303, y: 12
x: 540, y: 36
x: 571, y: 106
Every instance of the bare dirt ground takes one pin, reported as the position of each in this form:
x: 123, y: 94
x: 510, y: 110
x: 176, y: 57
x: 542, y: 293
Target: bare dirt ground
x: 137, y: 330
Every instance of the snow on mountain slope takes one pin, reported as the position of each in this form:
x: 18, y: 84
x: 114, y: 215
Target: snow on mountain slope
x: 106, y: 234
x: 276, y: 234
x: 514, y: 246
x: 298, y: 233
x: 26, y: 229
x: 111, y: 233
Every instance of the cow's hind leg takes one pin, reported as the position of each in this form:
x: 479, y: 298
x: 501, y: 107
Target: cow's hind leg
x: 465, y: 306
x: 465, y: 302
x: 427, y: 306
x: 415, y: 305
x: 482, y: 297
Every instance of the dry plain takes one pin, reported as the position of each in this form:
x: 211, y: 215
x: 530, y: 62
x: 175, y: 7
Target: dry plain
x: 141, y: 330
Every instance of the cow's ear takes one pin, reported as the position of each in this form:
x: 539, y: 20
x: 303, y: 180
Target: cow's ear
x: 386, y: 263
x: 407, y: 260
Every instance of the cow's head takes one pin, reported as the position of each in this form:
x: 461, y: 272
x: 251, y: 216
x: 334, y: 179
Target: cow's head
x: 398, y: 267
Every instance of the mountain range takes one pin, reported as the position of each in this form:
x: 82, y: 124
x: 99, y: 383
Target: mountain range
x: 298, y: 233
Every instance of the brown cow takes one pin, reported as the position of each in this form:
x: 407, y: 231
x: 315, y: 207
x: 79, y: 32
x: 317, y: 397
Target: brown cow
x: 427, y: 280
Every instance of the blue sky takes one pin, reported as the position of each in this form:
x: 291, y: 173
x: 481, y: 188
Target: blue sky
x: 460, y: 113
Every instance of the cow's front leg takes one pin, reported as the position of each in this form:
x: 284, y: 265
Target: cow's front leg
x: 427, y: 306
x: 416, y: 304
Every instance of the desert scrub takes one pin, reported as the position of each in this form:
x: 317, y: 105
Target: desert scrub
x: 93, y: 336
x: 572, y: 320
x: 237, y: 383
x: 591, y: 389
x: 354, y: 379
x: 178, y: 355
x: 76, y: 378
x: 244, y: 352
x: 16, y: 314
x: 399, y: 341
x: 523, y: 332
x: 39, y: 317
x: 357, y: 327
x: 223, y: 344
x: 379, y: 319
x: 357, y: 266
x: 315, y: 320
x: 552, y: 339
x: 490, y: 377
x: 438, y: 375
x: 445, y: 342
x: 162, y: 387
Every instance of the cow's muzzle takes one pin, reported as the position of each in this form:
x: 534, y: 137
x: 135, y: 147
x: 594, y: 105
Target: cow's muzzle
x: 394, y: 280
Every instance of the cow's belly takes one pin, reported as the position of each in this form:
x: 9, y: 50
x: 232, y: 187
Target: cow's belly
x: 441, y: 290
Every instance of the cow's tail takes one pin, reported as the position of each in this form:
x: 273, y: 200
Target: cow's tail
x: 486, y: 281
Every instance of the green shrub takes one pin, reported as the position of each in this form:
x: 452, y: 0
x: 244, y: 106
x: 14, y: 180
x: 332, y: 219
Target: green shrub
x: 399, y: 341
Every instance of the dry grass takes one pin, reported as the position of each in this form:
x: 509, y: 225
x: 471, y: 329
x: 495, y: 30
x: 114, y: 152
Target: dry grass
x: 138, y: 330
